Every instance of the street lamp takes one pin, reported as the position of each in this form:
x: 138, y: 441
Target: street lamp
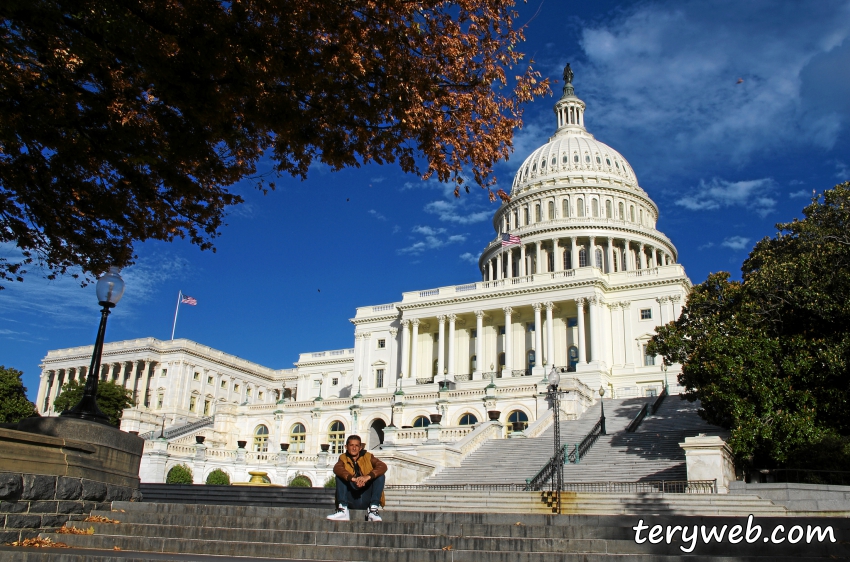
x: 664, y: 369
x: 445, y: 377
x: 554, y: 395
x: 109, y: 289
x: 602, y: 418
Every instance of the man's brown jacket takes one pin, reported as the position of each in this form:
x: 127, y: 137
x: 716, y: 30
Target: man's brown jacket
x: 367, y: 462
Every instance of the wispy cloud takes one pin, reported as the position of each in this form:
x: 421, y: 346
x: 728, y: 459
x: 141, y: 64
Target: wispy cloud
x: 718, y: 193
x: 706, y: 246
x: 469, y: 257
x: 377, y: 179
x: 452, y: 211
x: 800, y: 194
x: 736, y: 242
x: 434, y: 238
x: 842, y: 171
x: 377, y: 215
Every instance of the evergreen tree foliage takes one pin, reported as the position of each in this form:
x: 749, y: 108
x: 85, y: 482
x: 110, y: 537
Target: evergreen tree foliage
x: 111, y: 398
x: 14, y: 405
x: 769, y: 357
x: 179, y: 474
x: 300, y: 481
x: 218, y: 477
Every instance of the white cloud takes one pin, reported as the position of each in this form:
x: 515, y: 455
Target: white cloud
x: 736, y: 242
x: 717, y: 193
x: 469, y: 257
x: 451, y: 211
x: 377, y: 215
x: 427, y: 230
x: 378, y: 179
x: 842, y: 171
x: 800, y: 194
x: 667, y: 74
x: 434, y: 239
x: 706, y: 246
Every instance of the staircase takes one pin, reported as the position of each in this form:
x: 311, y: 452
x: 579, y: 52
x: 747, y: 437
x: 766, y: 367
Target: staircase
x: 172, y: 532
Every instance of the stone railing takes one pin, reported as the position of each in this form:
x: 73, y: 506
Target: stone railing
x: 455, y: 433
x: 177, y: 431
x: 478, y: 436
x: 221, y: 454
x: 411, y: 435
x: 541, y: 424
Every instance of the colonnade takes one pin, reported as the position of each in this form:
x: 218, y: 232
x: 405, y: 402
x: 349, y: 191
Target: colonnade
x: 620, y: 254
x: 126, y: 373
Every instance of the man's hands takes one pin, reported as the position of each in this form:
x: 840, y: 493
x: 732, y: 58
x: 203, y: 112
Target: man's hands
x: 360, y: 481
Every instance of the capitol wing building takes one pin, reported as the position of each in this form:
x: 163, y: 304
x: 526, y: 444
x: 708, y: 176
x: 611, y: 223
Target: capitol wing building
x: 576, y: 278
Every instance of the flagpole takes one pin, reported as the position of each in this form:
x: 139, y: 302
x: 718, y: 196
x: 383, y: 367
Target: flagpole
x: 176, y: 310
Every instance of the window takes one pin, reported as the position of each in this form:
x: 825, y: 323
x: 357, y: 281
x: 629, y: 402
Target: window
x: 261, y: 439
x: 599, y: 262
x: 193, y: 401
x: 575, y: 158
x: 582, y: 258
x: 297, y: 437
x: 648, y: 360
x: 595, y: 207
x: 608, y: 160
x: 468, y: 419
x: 379, y: 378
x: 336, y: 437
x: 159, y: 402
x: 608, y: 209
x: 550, y: 261
x: 334, y: 381
x: 163, y: 373
x: 235, y: 388
x: 568, y: 260
x: 551, y: 210
x: 646, y: 314
x: 517, y: 417
x: 502, y: 359
x: 260, y: 396
x: 206, y: 407
x: 537, y: 216
x: 473, y: 334
x: 565, y: 204
x: 209, y: 380
x: 598, y: 160
x: 473, y: 363
x: 587, y: 158
x: 580, y: 207
x: 572, y: 322
x: 248, y: 391
x: 525, y: 214
x: 516, y: 219
x: 421, y: 421
x: 615, y: 265
x: 531, y: 359
x: 565, y: 159
x: 641, y: 216
x: 622, y: 210
x: 223, y: 384
x: 196, y: 376
x: 382, y: 343
x: 530, y: 326
x: 501, y: 330
x: 632, y: 212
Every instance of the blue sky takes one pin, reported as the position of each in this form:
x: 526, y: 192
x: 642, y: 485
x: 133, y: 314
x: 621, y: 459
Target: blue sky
x: 730, y: 113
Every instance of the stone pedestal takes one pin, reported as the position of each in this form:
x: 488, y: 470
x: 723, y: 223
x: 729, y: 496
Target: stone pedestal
x: 709, y: 458
x: 433, y: 433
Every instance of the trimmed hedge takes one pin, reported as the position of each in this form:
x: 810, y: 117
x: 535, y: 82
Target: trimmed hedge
x: 180, y: 474
x: 300, y: 481
x: 218, y: 477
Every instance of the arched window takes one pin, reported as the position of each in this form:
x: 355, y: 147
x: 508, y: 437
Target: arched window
x: 565, y: 204
x: 632, y: 212
x: 622, y: 215
x: 516, y: 219
x: 565, y: 159
x: 598, y: 160
x: 580, y: 207
x: 575, y: 158
x: 641, y: 216
x: 608, y: 210
x: 594, y: 205
x: 421, y: 421
x: 615, y: 265
x: 517, y: 417
x: 599, y: 262
x: 468, y: 419
x: 336, y: 437
x: 587, y: 158
x: 537, y: 215
x: 297, y: 437
x: 551, y: 210
x: 568, y: 260
x: 261, y: 439
x: 625, y: 261
x: 582, y: 258
x: 525, y: 214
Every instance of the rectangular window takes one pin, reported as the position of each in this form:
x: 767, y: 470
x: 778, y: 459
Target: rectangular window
x: 235, y: 388
x: 192, y: 403
x: 530, y: 326
x: 379, y: 378
x: 501, y: 330
x: 196, y: 376
x: 224, y: 384
x: 206, y: 407
x: 249, y: 391
x: 209, y: 380
x: 382, y: 344
x: 163, y: 373
x: 646, y: 314
x: 648, y: 360
x: 334, y: 382
x: 260, y: 396
x: 537, y: 216
x: 473, y: 334
x: 572, y: 322
x: 159, y: 402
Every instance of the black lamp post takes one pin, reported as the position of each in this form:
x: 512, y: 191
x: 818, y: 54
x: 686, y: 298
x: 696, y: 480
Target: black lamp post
x: 555, y: 396
x: 110, y: 289
x: 602, y: 404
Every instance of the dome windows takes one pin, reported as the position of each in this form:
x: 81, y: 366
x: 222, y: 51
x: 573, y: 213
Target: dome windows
x: 608, y: 160
x: 534, y: 167
x: 551, y: 210
x: 565, y: 159
x: 566, y: 207
x: 608, y: 210
x: 622, y: 210
x: 543, y: 164
x: 598, y: 160
x: 587, y: 158
x: 617, y: 164
x: 575, y: 158
x: 554, y: 161
x: 594, y: 205
x: 580, y: 207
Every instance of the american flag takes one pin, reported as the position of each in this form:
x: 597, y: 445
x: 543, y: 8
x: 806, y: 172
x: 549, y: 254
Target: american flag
x: 510, y: 239
x: 189, y: 300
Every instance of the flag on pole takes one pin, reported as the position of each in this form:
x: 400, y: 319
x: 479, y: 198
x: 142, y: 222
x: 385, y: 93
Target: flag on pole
x: 189, y: 300
x: 185, y: 299
x: 510, y: 240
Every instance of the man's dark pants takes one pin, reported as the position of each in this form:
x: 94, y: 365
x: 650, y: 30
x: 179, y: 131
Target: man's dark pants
x: 359, y: 498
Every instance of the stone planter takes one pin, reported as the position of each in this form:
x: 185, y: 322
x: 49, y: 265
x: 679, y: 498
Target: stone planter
x: 518, y: 426
x: 199, y: 439
x: 493, y: 415
x: 325, y: 447
x: 241, y: 444
x: 435, y: 418
x: 284, y: 447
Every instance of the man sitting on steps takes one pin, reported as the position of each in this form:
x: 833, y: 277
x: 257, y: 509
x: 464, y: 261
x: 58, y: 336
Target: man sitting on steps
x: 359, y: 481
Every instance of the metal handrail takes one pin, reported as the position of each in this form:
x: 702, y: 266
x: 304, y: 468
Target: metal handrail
x: 645, y: 486
x: 635, y: 423
x: 545, y: 474
x: 581, y: 449
x: 658, y: 401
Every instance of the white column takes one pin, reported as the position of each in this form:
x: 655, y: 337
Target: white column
x: 510, y: 266
x: 610, y: 267
x: 537, y: 258
x: 591, y: 253
x: 146, y: 376
x: 557, y: 264
x: 489, y: 270
x: 522, y: 268
x: 654, y: 259
x: 573, y: 253
x: 479, y: 339
x: 593, y: 329
x: 414, y: 340
x: 642, y: 257
x: 42, y: 389
x: 550, y: 337
x: 538, y: 334
x: 508, y: 346
x: 405, y: 347
x: 626, y: 251
x: 675, y: 306
x: 441, y: 344
x: 662, y: 306
x: 582, y: 354
x: 499, y: 266
x: 627, y: 332
x: 54, y: 389
x: 452, y: 319
x: 617, y: 332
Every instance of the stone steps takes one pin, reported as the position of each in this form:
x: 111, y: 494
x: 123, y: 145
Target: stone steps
x: 148, y: 531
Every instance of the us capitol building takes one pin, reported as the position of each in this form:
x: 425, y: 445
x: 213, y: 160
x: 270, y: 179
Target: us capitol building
x: 576, y: 278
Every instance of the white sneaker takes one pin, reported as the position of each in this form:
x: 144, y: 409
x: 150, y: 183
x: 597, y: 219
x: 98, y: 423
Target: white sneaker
x: 340, y: 515
x: 372, y: 514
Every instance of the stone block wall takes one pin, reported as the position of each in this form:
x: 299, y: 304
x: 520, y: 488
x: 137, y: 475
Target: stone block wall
x: 34, y: 503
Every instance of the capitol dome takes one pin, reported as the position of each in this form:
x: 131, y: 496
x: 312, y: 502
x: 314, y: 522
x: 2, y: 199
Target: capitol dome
x: 575, y: 202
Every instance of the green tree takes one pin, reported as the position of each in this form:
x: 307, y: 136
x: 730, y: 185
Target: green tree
x: 111, y: 398
x: 179, y: 474
x: 300, y: 481
x: 127, y: 121
x: 14, y: 405
x: 218, y: 477
x: 768, y: 356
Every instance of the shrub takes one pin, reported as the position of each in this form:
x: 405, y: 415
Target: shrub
x: 330, y: 482
x: 300, y: 481
x: 179, y: 474
x: 218, y: 477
